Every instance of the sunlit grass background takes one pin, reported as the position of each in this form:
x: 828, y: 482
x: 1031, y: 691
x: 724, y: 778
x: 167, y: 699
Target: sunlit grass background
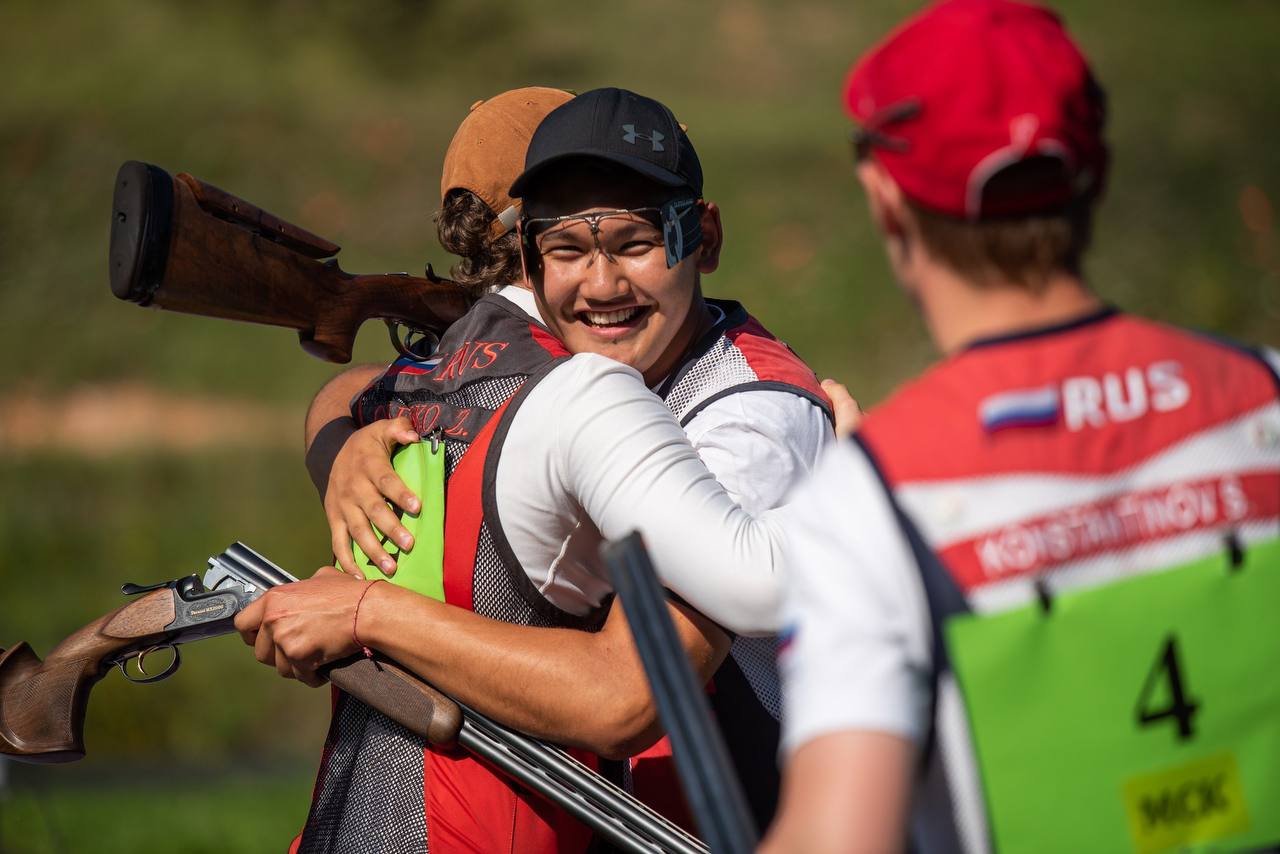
x: 336, y: 116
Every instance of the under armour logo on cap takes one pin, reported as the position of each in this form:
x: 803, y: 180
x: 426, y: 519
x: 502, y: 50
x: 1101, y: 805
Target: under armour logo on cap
x: 629, y: 135
x: 637, y: 133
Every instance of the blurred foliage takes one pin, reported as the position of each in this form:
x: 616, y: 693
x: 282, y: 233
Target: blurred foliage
x: 336, y: 116
x: 74, y: 530
x: 137, y: 809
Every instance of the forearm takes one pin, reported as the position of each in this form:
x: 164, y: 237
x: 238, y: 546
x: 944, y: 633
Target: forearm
x: 329, y: 424
x: 845, y: 793
x: 577, y: 688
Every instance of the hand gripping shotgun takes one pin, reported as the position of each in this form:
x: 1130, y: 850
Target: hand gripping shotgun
x: 43, y: 703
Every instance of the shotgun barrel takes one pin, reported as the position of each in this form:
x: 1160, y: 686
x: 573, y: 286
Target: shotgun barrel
x: 712, y: 789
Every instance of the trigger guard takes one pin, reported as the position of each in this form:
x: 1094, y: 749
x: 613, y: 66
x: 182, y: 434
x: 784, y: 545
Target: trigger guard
x: 165, y: 674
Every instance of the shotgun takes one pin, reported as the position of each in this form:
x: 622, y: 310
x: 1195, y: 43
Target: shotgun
x: 180, y: 244
x: 43, y: 703
x: 710, y: 786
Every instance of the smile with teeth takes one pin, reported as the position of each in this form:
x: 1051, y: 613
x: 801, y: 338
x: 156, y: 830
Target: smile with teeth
x: 611, y: 318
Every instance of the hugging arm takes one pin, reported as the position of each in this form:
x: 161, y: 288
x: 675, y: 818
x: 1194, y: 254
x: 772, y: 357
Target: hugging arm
x: 535, y: 679
x: 627, y: 461
x: 351, y: 468
x: 579, y: 688
x: 573, y: 687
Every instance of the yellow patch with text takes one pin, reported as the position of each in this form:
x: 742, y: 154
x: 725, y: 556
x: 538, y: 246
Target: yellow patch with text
x: 1199, y: 802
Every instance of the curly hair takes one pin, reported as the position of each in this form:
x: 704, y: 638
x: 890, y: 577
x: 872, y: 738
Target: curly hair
x: 463, y: 228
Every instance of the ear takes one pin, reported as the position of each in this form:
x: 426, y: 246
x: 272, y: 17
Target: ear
x: 884, y: 198
x: 712, y: 238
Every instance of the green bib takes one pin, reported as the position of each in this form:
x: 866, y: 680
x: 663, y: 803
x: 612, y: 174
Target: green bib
x: 1140, y: 716
x: 422, y: 568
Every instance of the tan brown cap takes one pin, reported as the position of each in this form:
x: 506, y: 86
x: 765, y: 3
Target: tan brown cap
x: 488, y: 150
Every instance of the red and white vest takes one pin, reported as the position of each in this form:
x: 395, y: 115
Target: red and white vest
x: 381, y: 788
x: 736, y: 355
x: 1067, y: 457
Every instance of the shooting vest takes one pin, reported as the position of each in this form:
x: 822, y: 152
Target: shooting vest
x: 381, y: 788
x: 1094, y: 510
x: 736, y: 355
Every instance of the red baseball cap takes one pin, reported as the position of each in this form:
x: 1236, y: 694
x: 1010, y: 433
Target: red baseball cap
x: 968, y: 88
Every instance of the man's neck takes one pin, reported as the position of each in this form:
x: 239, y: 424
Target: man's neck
x: 695, y: 324
x: 958, y: 312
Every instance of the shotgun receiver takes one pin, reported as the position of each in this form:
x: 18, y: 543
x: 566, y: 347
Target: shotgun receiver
x: 180, y: 244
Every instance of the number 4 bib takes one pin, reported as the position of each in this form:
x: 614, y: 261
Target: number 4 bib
x: 1140, y: 716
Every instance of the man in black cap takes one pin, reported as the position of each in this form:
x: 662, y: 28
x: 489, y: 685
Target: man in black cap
x: 616, y: 236
x: 548, y: 455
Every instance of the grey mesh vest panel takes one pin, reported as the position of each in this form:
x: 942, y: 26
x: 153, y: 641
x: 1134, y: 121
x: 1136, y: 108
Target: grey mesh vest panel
x: 370, y: 791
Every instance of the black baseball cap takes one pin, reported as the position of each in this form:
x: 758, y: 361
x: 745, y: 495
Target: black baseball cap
x: 619, y: 126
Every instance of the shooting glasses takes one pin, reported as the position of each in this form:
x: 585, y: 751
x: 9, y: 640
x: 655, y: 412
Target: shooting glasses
x: 623, y: 236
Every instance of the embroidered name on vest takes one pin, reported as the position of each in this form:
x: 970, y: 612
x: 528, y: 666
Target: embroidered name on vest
x: 471, y: 356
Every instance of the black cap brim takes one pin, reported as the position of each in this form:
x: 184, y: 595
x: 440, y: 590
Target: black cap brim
x: 648, y: 169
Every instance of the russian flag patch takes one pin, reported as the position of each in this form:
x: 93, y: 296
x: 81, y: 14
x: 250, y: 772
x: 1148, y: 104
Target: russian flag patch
x: 1028, y: 407
x: 407, y: 365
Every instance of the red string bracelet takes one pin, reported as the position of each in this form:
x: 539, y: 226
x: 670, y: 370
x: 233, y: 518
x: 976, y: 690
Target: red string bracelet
x: 355, y: 618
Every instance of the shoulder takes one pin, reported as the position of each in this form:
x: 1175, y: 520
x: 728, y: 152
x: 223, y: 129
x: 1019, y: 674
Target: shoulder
x: 764, y: 410
x: 587, y: 370
x: 842, y: 508
x: 770, y: 358
x: 844, y: 479
x: 758, y: 424
x: 586, y: 387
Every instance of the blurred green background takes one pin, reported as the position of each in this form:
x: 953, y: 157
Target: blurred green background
x: 133, y: 444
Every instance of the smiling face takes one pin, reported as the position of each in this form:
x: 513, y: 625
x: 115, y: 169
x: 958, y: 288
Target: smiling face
x: 601, y: 277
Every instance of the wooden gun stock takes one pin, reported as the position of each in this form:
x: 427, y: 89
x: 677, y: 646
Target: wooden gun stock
x: 43, y: 703
x: 183, y: 245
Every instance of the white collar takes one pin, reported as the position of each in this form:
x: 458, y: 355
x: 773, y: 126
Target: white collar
x: 522, y: 298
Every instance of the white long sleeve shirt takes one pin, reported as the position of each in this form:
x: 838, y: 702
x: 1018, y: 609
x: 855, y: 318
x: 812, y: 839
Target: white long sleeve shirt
x: 592, y: 454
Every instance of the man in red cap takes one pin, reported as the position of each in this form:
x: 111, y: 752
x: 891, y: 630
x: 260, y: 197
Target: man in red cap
x: 1029, y: 600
